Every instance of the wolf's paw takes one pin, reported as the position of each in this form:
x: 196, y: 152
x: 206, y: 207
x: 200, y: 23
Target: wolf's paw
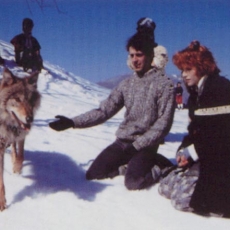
x: 17, y: 167
x: 3, y: 204
x: 2, y: 200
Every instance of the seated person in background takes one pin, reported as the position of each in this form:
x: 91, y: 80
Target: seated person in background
x: 27, y: 48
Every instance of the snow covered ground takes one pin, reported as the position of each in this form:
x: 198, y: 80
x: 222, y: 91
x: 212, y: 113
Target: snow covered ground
x: 52, y: 193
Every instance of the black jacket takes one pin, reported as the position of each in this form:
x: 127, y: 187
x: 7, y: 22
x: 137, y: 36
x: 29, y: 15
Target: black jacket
x: 210, y: 135
x: 179, y: 90
x: 19, y: 42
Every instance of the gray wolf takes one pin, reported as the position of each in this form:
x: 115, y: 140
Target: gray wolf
x: 19, y: 99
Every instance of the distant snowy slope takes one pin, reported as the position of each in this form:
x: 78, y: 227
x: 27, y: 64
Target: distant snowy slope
x: 52, y: 192
x: 58, y: 73
x: 112, y: 82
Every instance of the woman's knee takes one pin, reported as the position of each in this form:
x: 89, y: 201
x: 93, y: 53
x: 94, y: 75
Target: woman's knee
x: 181, y: 203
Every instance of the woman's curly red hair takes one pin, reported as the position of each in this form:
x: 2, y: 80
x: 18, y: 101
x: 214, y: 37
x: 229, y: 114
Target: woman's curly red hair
x: 198, y: 56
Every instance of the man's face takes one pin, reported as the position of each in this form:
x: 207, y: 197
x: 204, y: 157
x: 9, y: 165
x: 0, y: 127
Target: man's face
x: 140, y: 62
x: 27, y: 28
x: 190, y: 77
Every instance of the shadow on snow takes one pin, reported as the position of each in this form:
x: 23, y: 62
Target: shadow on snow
x: 55, y: 172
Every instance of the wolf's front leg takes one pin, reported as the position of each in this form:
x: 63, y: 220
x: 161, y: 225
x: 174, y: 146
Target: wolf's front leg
x: 2, y: 187
x: 17, y: 154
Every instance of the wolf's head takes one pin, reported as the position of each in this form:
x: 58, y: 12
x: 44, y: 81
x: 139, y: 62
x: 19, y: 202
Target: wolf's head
x: 19, y: 99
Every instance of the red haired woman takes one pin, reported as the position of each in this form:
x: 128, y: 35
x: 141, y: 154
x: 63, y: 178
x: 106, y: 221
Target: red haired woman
x: 207, y: 182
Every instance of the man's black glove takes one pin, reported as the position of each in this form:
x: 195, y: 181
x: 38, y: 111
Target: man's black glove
x: 62, y: 123
x: 130, y: 149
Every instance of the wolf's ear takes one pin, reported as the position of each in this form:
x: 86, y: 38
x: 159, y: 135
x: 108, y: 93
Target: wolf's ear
x: 32, y: 79
x: 8, y: 78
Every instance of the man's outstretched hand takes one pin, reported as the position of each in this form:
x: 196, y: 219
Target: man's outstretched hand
x: 62, y: 123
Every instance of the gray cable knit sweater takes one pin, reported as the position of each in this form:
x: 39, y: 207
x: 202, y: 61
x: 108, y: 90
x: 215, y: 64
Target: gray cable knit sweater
x: 149, y: 103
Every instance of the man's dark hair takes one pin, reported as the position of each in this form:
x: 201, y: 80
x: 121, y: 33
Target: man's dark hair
x: 141, y: 42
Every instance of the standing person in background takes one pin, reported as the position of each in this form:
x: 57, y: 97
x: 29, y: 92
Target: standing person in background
x: 179, y: 95
x: 27, y: 48
x: 148, y: 98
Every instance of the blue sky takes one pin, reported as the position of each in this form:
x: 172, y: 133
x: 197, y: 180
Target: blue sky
x: 88, y: 37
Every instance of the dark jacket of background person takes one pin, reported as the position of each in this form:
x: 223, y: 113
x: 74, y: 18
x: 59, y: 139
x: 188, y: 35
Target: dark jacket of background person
x: 19, y: 41
x: 27, y: 48
x: 179, y: 90
x: 28, y: 57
